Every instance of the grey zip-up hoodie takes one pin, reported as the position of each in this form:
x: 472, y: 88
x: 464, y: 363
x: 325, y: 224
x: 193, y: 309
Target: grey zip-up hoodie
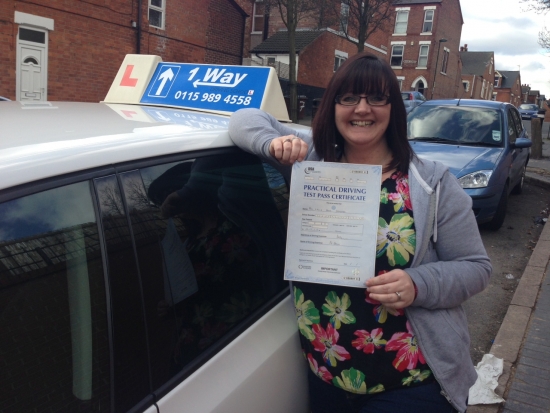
x: 449, y: 266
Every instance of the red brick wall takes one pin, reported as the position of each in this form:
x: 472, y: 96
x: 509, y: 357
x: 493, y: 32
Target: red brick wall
x: 316, y: 61
x: 90, y: 40
x: 224, y: 34
x: 447, y: 24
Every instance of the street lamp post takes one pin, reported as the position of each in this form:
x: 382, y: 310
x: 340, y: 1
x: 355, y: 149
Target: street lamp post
x: 435, y: 69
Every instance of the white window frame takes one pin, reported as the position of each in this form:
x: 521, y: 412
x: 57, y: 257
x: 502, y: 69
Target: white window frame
x: 401, y: 11
x: 426, y: 47
x: 401, y: 80
x: 426, y: 12
x: 254, y: 15
x: 393, y: 45
x: 344, y: 17
x: 466, y: 85
x: 339, y: 58
x: 161, y: 10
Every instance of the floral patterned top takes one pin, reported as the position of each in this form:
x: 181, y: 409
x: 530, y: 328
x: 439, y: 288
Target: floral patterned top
x: 352, y: 341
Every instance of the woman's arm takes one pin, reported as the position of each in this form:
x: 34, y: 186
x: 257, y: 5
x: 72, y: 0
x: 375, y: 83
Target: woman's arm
x: 258, y: 132
x: 460, y: 267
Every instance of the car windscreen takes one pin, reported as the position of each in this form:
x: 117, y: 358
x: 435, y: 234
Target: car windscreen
x: 456, y: 125
x: 529, y: 107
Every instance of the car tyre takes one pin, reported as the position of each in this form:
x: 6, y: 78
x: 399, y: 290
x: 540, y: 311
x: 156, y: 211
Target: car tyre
x: 500, y: 213
x: 518, y: 189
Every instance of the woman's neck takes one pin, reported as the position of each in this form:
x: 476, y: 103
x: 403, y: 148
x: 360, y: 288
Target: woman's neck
x: 377, y: 156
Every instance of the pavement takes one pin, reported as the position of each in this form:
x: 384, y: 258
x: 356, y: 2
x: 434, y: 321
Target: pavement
x: 523, y: 340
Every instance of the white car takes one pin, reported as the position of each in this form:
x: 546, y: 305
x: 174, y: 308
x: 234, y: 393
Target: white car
x: 142, y: 254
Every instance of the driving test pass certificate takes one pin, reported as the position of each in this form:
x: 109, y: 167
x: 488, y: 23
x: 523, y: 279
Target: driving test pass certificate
x: 333, y: 223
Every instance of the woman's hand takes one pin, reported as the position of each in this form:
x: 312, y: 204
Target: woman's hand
x: 394, y: 289
x: 288, y: 149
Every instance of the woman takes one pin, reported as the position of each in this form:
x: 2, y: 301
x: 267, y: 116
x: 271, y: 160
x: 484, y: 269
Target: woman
x: 401, y: 345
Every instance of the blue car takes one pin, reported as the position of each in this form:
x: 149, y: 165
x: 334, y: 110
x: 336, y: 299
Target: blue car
x: 529, y: 111
x: 484, y: 145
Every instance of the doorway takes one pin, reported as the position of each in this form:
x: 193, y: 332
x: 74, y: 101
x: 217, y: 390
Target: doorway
x: 32, y: 64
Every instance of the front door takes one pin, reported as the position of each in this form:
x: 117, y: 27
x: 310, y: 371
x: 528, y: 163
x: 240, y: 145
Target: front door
x: 32, y: 65
x: 31, y: 86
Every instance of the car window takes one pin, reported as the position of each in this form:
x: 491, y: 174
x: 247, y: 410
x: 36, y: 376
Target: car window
x: 406, y: 96
x: 456, y: 124
x: 210, y: 239
x: 512, y: 127
x: 529, y: 107
x: 54, y: 343
x: 517, y: 121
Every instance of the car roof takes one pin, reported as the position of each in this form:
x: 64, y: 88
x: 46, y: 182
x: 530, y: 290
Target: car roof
x: 490, y: 104
x: 46, y: 139
x: 55, y: 138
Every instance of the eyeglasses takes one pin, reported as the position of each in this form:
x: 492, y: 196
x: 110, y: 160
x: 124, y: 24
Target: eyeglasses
x: 352, y: 100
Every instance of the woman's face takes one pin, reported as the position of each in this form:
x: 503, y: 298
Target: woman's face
x: 362, y: 125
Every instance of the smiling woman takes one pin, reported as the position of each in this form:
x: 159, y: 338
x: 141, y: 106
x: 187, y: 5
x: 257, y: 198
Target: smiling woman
x: 401, y: 343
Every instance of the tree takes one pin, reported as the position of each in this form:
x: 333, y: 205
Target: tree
x: 544, y: 38
x: 540, y: 6
x: 292, y: 11
x: 361, y: 18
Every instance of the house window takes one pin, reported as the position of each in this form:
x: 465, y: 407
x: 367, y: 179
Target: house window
x: 466, y: 85
x: 423, y: 55
x: 482, y: 90
x: 339, y: 58
x: 401, y: 22
x: 258, y: 17
x: 428, y: 21
x: 496, y: 81
x: 156, y: 13
x: 397, y: 55
x: 344, y: 17
x: 445, y: 61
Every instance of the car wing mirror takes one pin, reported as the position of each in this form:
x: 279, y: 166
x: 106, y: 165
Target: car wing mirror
x: 522, y: 143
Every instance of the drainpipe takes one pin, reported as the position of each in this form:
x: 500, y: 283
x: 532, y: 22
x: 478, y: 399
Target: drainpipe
x: 138, y: 40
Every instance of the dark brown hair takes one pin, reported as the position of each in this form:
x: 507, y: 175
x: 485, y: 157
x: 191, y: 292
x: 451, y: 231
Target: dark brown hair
x: 367, y: 74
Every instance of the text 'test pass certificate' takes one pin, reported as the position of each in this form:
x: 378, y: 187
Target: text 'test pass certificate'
x: 333, y: 223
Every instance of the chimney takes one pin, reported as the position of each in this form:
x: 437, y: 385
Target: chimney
x: 465, y: 47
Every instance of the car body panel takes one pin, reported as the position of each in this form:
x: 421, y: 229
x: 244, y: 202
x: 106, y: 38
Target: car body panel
x: 235, y: 373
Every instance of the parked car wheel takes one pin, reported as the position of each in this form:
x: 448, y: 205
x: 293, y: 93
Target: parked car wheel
x: 500, y: 214
x: 518, y: 189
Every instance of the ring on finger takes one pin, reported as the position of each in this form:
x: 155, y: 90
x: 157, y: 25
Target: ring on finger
x: 288, y: 140
x: 398, y: 295
x: 295, y: 138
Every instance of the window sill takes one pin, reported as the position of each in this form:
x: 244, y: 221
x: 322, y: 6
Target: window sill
x: 397, y: 67
x: 421, y: 67
x: 426, y: 34
x: 399, y: 34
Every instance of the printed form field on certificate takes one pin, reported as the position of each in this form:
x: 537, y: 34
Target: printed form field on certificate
x: 333, y: 223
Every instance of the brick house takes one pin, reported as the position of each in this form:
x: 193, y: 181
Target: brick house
x: 507, y: 87
x: 423, y: 46
x: 59, y: 50
x: 478, y: 74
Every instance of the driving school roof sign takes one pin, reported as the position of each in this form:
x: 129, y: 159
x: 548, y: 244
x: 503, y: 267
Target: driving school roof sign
x: 145, y: 79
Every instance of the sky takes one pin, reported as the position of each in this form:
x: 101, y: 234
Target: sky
x: 508, y: 29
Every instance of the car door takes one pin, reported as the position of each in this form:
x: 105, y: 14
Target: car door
x: 519, y: 155
x: 54, y: 307
x: 209, y: 237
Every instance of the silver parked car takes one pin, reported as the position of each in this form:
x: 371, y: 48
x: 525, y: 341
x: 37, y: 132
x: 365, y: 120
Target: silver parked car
x: 412, y: 99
